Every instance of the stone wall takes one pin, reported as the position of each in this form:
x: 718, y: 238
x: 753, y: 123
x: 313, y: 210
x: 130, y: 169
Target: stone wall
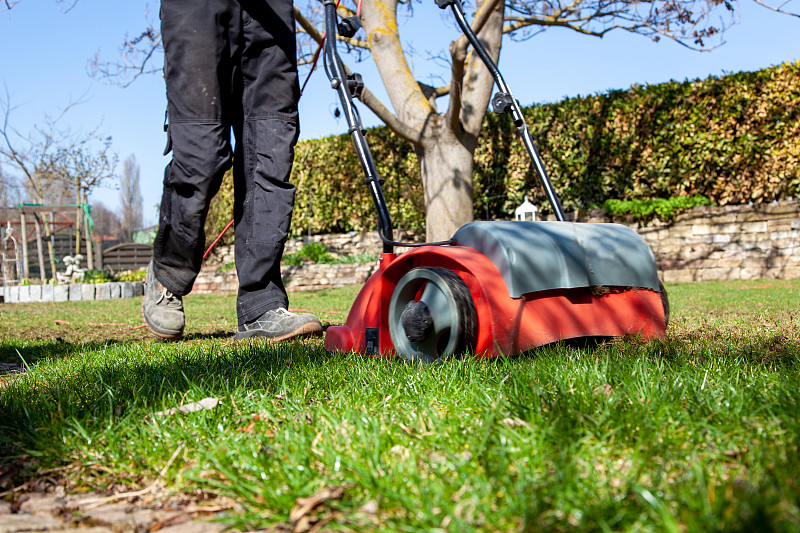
x: 726, y: 243
x: 704, y: 244
x: 309, y: 276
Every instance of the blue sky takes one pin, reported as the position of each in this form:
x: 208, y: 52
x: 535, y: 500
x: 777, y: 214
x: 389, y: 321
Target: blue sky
x: 45, y: 53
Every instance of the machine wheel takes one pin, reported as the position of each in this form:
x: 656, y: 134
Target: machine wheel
x: 432, y: 315
x: 665, y: 303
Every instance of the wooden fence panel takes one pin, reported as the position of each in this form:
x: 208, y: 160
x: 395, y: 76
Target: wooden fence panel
x: 127, y: 256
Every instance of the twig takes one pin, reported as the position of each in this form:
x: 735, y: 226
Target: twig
x: 93, y: 503
x: 238, y: 412
x: 121, y: 496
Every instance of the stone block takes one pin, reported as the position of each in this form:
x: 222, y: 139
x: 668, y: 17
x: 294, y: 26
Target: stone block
x: 753, y: 261
x: 35, y: 293
x: 102, y: 291
x: 785, y: 244
x: 775, y: 261
x: 724, y: 217
x: 129, y: 289
x: 750, y: 216
x: 47, y: 293
x: 748, y: 237
x: 731, y: 262
x: 719, y: 274
x: 87, y: 291
x: 780, y: 208
x: 754, y: 227
x: 786, y: 224
x: 24, y: 294
x: 75, y: 294
x: 783, y: 273
x: 60, y: 293
x: 702, y: 229
x: 115, y: 290
x: 29, y: 522
x: 783, y: 233
x: 733, y: 252
x: 790, y: 272
x: 757, y: 272
x: 681, y: 276
x: 12, y: 294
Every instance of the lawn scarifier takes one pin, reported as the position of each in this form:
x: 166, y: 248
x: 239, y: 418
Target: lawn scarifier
x: 495, y: 288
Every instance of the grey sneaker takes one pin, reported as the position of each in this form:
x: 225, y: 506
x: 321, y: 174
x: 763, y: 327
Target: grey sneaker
x: 162, y: 310
x: 280, y: 325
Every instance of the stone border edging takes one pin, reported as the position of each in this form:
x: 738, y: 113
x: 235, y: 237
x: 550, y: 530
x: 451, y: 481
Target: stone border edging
x: 74, y: 292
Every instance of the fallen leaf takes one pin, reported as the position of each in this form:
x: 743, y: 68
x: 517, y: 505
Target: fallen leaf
x: 515, y: 422
x: 371, y: 507
x: 204, y: 404
x: 606, y: 390
x: 248, y: 428
x: 299, y: 515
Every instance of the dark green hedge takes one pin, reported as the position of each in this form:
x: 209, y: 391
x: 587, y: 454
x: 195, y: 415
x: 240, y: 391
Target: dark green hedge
x: 733, y: 139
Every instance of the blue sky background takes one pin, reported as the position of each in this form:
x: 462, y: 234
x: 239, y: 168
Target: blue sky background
x: 45, y: 53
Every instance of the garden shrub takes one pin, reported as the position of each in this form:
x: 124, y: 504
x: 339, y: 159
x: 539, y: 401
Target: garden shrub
x: 733, y: 139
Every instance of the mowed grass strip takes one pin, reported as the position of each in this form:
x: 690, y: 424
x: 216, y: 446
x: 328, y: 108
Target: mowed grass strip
x: 697, y: 432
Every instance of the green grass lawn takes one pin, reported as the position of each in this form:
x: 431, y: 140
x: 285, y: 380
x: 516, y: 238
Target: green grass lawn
x: 697, y: 432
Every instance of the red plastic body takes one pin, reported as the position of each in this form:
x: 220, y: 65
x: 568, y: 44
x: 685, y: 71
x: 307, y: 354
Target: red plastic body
x: 506, y: 326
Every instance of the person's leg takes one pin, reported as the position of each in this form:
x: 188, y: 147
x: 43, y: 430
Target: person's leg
x: 197, y: 73
x: 264, y: 196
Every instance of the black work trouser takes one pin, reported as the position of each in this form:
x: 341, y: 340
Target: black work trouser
x: 229, y: 65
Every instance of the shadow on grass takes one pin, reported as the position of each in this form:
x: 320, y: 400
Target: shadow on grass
x: 102, y: 383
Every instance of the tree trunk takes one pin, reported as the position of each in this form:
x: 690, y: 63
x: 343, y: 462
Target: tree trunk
x: 444, y: 142
x: 446, y: 168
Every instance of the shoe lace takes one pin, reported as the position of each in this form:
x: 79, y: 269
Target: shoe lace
x: 170, y: 299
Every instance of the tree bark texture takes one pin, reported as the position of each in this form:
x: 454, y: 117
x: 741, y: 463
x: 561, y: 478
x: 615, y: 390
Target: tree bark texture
x: 445, y: 143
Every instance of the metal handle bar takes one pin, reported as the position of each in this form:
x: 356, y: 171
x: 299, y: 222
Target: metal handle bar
x: 341, y: 83
x: 504, y: 102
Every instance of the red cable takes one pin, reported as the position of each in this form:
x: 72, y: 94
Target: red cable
x: 313, y: 66
x: 217, y: 240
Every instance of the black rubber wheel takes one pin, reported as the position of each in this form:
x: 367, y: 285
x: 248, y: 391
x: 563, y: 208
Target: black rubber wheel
x: 432, y: 315
x: 664, y: 302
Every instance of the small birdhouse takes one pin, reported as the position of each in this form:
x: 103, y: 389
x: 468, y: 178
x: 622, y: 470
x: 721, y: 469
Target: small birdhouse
x: 526, y: 211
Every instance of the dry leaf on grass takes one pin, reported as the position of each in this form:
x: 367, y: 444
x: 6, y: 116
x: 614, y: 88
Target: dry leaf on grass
x: 300, y: 516
x: 606, y: 390
x: 515, y: 422
x: 204, y: 404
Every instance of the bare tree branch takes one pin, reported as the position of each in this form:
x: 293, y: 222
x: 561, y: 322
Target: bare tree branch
x: 779, y: 8
x: 63, y: 5
x: 136, y: 58
x: 687, y: 22
x: 52, y: 158
x: 458, y: 52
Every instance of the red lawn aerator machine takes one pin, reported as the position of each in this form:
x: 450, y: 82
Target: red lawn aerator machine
x: 496, y: 288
